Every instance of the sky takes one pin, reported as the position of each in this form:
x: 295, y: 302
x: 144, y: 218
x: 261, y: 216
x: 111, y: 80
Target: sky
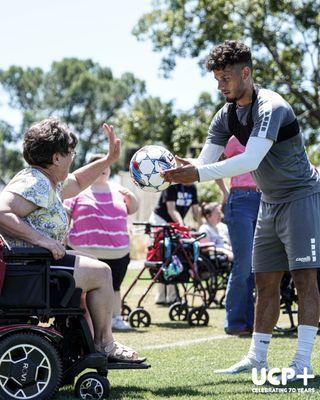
x: 38, y: 32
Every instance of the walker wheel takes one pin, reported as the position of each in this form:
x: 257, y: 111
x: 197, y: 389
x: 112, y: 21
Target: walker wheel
x: 139, y: 317
x: 125, y: 311
x: 198, y: 316
x: 178, y: 312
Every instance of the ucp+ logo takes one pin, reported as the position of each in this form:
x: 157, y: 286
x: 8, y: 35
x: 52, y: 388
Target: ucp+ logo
x: 273, y: 376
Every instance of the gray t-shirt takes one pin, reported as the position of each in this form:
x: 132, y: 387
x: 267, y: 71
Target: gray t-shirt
x: 285, y: 174
x: 217, y: 235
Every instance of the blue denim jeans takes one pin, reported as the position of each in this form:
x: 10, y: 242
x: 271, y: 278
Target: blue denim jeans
x: 241, y: 213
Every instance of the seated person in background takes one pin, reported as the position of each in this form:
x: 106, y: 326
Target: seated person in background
x: 216, y: 231
x: 173, y: 205
x: 32, y: 214
x: 98, y: 218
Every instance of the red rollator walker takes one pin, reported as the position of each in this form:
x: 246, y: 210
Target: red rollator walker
x: 174, y: 259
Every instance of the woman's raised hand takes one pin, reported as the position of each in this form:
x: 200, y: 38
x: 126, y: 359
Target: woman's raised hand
x: 114, y: 143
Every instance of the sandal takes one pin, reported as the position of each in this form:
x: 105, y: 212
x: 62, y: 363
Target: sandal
x: 117, y: 352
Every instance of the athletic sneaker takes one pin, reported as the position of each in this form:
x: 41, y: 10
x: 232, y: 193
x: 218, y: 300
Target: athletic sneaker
x: 299, y: 370
x: 245, y: 365
x: 119, y: 324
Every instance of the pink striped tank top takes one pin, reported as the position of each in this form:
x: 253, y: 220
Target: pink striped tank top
x: 99, y: 223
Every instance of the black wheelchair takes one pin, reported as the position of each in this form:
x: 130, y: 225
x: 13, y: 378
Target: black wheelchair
x: 289, y: 304
x: 45, y: 341
x: 221, y: 268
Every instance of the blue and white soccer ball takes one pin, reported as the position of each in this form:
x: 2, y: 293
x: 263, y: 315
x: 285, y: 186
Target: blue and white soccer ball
x: 145, y: 167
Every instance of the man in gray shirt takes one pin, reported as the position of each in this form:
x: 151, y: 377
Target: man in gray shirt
x: 288, y: 227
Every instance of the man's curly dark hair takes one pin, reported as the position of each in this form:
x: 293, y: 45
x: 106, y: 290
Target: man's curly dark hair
x: 229, y: 53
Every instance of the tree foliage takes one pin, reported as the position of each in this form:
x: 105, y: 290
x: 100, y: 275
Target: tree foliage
x: 80, y: 92
x: 208, y: 192
x: 10, y: 157
x: 192, y: 127
x: 283, y: 34
x: 149, y: 121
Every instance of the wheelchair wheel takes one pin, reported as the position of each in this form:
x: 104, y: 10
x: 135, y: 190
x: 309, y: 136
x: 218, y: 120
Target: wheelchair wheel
x: 208, y: 275
x: 290, y: 309
x: 198, y: 316
x: 289, y: 306
x: 92, y: 386
x: 139, y: 317
x: 30, y: 367
x: 178, y: 312
x: 125, y: 311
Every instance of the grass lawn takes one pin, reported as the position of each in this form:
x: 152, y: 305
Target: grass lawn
x: 183, y: 358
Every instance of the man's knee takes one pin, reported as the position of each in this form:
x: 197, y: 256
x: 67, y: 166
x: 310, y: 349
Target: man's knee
x: 268, y: 284
x: 305, y: 280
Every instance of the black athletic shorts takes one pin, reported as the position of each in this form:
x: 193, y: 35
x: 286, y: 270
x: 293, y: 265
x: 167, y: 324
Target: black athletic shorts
x: 65, y: 263
x: 119, y: 268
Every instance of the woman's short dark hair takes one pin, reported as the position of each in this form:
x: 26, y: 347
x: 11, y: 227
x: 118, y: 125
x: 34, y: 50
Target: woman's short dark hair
x: 208, y: 208
x: 229, y: 53
x: 43, y: 139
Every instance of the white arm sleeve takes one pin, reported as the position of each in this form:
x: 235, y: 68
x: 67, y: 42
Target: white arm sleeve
x: 248, y: 161
x: 209, y: 154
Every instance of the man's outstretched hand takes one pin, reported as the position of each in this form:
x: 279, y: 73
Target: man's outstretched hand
x: 186, y: 173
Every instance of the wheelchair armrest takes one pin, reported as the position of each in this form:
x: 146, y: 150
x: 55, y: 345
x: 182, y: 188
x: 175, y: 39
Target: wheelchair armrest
x: 27, y: 253
x: 71, y: 286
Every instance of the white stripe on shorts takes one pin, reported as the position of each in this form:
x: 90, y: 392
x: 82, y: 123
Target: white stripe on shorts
x: 61, y: 267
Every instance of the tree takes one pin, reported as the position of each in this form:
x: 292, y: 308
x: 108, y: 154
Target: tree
x: 192, y: 127
x: 284, y: 36
x: 80, y: 92
x: 208, y: 192
x: 10, y: 158
x: 149, y: 121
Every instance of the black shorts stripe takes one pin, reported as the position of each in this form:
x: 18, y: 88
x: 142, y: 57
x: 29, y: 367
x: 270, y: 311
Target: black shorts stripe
x: 65, y: 263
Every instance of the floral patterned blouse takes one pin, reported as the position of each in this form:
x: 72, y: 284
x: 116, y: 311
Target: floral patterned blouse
x: 50, y: 218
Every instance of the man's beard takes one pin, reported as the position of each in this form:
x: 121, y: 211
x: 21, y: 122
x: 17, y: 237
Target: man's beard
x: 231, y: 100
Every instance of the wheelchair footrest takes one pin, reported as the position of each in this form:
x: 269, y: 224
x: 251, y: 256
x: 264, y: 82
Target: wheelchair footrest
x: 93, y: 361
x: 123, y: 365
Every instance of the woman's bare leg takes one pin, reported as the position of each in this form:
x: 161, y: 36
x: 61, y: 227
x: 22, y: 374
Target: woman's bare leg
x: 95, y: 278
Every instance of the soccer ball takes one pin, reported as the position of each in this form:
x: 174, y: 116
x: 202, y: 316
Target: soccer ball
x: 145, y: 167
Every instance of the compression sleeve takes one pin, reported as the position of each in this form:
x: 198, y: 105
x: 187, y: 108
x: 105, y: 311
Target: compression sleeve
x: 210, y: 153
x: 248, y: 161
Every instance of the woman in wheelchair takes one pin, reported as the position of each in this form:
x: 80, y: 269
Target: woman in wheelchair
x: 32, y: 214
x: 217, y: 236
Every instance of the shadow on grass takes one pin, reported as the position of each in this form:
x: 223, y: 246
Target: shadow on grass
x: 215, y: 389
x: 136, y: 392
x: 133, y: 392
x: 130, y: 331
x: 176, y: 325
x: 281, y: 335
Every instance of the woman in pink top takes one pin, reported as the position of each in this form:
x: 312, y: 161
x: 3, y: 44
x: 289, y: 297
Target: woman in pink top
x: 240, y: 214
x: 98, y: 226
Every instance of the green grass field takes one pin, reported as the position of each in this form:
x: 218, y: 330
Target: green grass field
x: 183, y: 358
